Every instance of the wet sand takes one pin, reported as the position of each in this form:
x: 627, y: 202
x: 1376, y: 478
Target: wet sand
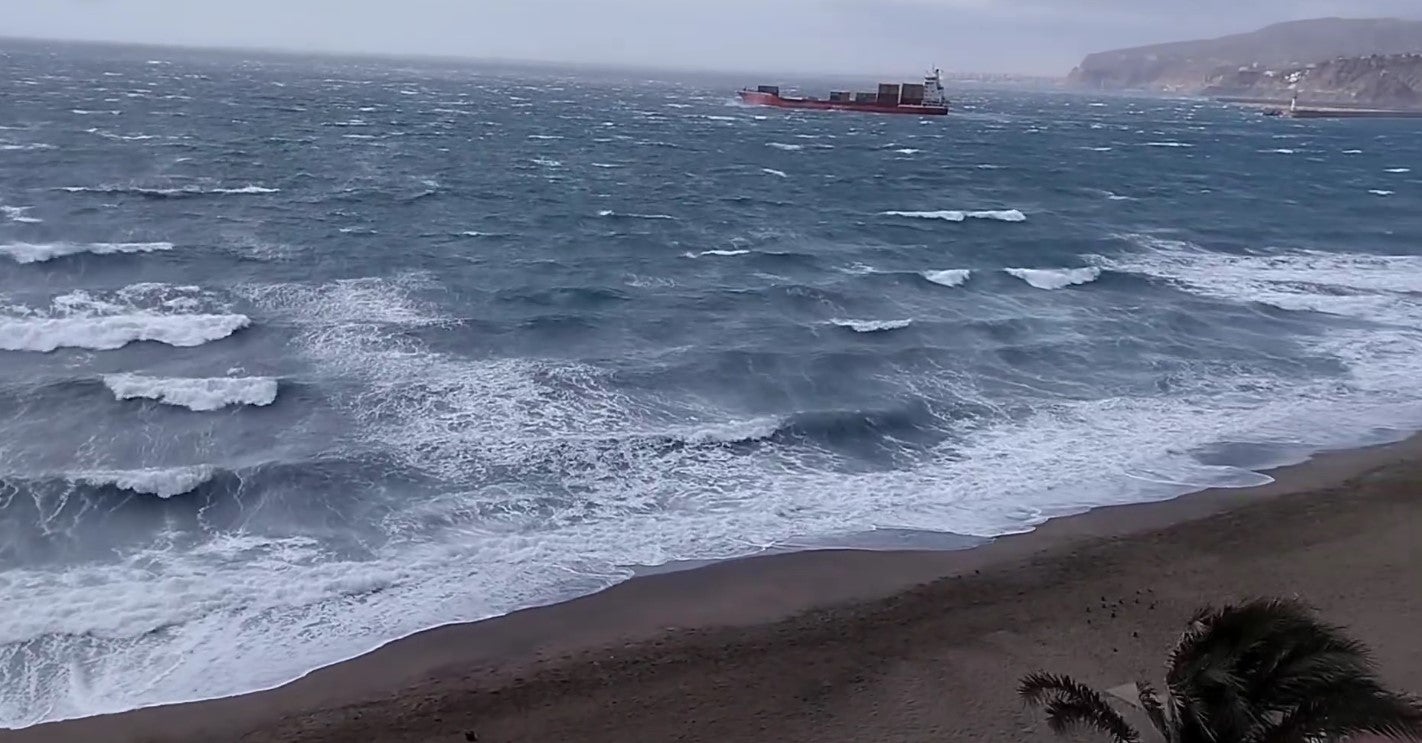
x: 864, y: 646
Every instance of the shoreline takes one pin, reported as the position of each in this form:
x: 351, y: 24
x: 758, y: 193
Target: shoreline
x: 678, y: 610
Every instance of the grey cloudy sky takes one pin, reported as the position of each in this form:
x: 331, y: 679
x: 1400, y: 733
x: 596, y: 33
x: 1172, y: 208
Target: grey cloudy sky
x: 1021, y: 36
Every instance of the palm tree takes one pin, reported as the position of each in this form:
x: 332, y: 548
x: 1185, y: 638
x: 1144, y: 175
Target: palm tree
x: 1265, y: 671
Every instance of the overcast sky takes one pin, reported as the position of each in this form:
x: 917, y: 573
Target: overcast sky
x: 1020, y: 36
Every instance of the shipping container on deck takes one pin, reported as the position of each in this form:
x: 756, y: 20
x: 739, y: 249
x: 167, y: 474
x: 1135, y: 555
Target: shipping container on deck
x: 866, y: 98
x: 888, y: 94
x: 911, y: 94
x: 770, y: 89
x: 840, y: 95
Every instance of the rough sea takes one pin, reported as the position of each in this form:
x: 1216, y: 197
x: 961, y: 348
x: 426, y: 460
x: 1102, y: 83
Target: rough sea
x: 299, y: 356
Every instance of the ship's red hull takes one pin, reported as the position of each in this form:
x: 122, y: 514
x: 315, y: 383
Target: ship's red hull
x: 757, y: 98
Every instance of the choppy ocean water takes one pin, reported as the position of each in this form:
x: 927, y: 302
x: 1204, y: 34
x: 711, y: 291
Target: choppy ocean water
x: 298, y: 357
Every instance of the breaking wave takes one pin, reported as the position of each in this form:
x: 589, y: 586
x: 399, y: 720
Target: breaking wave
x: 871, y: 326
x: 723, y: 253
x: 1055, y: 278
x: 1002, y: 215
x: 41, y: 252
x: 953, y: 277
x: 163, y: 482
x: 17, y: 214
x: 774, y: 172
x: 171, y: 193
x: 195, y: 394
x: 619, y: 215
x: 115, y: 331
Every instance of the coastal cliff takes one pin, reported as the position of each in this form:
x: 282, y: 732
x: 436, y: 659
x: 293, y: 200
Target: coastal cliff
x: 1363, y: 61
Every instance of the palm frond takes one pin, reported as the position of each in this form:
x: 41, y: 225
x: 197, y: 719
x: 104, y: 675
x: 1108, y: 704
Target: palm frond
x: 1037, y: 688
x: 1150, y: 702
x: 1357, y: 709
x: 1237, y: 668
x: 1070, y: 704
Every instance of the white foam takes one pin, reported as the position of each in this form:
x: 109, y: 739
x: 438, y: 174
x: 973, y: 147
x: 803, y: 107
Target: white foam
x: 1367, y: 286
x: 195, y: 394
x: 1352, y: 152
x: 621, y: 215
x: 18, y: 214
x: 722, y: 253
x: 244, y: 612
x: 544, y: 136
x: 547, y: 163
x: 735, y: 432
x: 189, y: 190
x: 1279, y: 151
x: 1381, y: 192
x: 907, y: 151
x: 774, y: 172
x: 162, y: 482
x: 1168, y: 144
x: 787, y: 147
x: 245, y: 190
x: 33, y: 147
x: 1398, y: 170
x: 871, y: 326
x: 1005, y: 215
x: 115, y: 331
x: 40, y: 252
x: 1055, y: 278
x: 608, y: 165
x: 952, y: 277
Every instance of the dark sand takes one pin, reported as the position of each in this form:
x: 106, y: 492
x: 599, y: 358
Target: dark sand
x: 860, y: 646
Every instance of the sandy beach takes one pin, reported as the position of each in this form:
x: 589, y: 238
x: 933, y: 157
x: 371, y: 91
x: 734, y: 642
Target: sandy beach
x: 865, y: 646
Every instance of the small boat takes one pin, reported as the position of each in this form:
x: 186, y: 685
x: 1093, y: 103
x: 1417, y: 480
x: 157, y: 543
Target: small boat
x: 925, y: 99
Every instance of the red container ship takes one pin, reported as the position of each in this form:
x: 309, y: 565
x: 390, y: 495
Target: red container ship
x: 926, y: 99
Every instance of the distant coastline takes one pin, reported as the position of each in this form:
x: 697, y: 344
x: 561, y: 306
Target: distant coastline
x: 1371, y: 63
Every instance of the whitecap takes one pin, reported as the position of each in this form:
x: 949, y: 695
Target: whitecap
x: 1003, y: 215
x: 1100, y: 149
x: 1168, y: 144
x: 953, y: 277
x: 544, y: 136
x: 907, y: 151
x: 547, y: 163
x: 735, y: 432
x: 1381, y: 192
x: 1279, y: 151
x: 25, y: 147
x: 195, y: 394
x: 17, y: 214
x: 788, y: 147
x: 722, y: 253
x: 607, y: 165
x: 1352, y: 152
x: 774, y: 172
x: 1055, y: 278
x: 164, y: 482
x: 41, y: 252
x: 115, y: 331
x: 1398, y: 170
x: 619, y: 215
x: 871, y: 326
